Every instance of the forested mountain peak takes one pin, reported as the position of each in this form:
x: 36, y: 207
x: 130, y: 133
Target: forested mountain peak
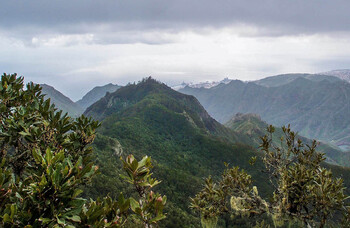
x: 133, y: 93
x: 149, y: 95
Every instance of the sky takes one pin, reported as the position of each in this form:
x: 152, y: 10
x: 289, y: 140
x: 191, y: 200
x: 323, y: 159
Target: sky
x: 77, y: 45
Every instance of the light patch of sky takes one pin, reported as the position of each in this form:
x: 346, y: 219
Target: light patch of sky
x: 64, y: 61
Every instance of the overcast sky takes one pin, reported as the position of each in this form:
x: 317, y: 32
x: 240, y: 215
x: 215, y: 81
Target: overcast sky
x: 76, y: 45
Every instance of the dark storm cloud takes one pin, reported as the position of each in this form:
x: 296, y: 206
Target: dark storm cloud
x: 278, y: 17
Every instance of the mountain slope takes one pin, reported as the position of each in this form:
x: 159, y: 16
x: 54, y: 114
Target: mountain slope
x: 186, y: 145
x: 254, y: 127
x: 151, y: 93
x: 174, y: 129
x: 96, y: 94
x: 342, y: 74
x: 206, y: 84
x: 316, y: 109
x: 61, y: 101
x: 283, y: 79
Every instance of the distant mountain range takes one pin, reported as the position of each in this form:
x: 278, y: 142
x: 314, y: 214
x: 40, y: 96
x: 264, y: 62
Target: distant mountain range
x: 315, y: 108
x: 207, y: 84
x: 316, y: 105
x: 342, y: 74
x: 283, y: 79
x: 95, y: 94
x: 61, y: 101
x: 75, y: 109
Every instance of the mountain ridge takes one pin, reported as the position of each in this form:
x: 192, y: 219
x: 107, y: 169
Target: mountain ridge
x: 252, y: 125
x: 343, y: 74
x: 149, y: 118
x: 316, y: 109
x: 283, y: 79
x: 61, y: 101
x: 96, y: 94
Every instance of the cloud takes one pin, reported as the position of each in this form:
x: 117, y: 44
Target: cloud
x: 88, y: 42
x: 115, y: 21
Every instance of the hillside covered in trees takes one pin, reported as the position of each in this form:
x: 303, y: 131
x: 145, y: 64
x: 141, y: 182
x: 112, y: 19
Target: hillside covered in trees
x: 185, y: 142
x: 317, y: 109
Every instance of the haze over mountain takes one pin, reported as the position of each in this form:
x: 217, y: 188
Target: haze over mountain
x: 95, y: 94
x: 61, y: 101
x: 316, y: 109
x: 254, y: 127
x: 283, y: 79
x: 207, y: 84
x: 342, y: 74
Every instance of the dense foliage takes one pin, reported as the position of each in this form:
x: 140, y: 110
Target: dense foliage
x: 254, y: 127
x: 304, y: 192
x: 46, y: 160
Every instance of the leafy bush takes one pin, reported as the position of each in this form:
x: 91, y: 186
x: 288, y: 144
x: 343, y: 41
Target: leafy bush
x: 46, y: 159
x: 305, y: 193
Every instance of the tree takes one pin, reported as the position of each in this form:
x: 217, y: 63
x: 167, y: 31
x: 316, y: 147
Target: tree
x: 46, y: 158
x: 149, y: 207
x: 304, y: 191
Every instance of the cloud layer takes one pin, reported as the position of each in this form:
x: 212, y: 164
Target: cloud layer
x: 95, y: 42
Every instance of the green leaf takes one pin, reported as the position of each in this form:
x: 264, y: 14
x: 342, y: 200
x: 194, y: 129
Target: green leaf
x: 77, y: 192
x: 134, y: 204
x: 134, y: 164
x: 6, y: 218
x: 44, y: 220
x: 13, y: 210
x: 48, y: 156
x: 158, y: 218
x: 75, y: 218
x: 58, y: 157
x: 61, y: 221
x: 37, y: 156
x: 144, y: 161
x: 43, y: 181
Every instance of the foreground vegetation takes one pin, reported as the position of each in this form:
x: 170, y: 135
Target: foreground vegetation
x: 305, y: 194
x: 46, y: 160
